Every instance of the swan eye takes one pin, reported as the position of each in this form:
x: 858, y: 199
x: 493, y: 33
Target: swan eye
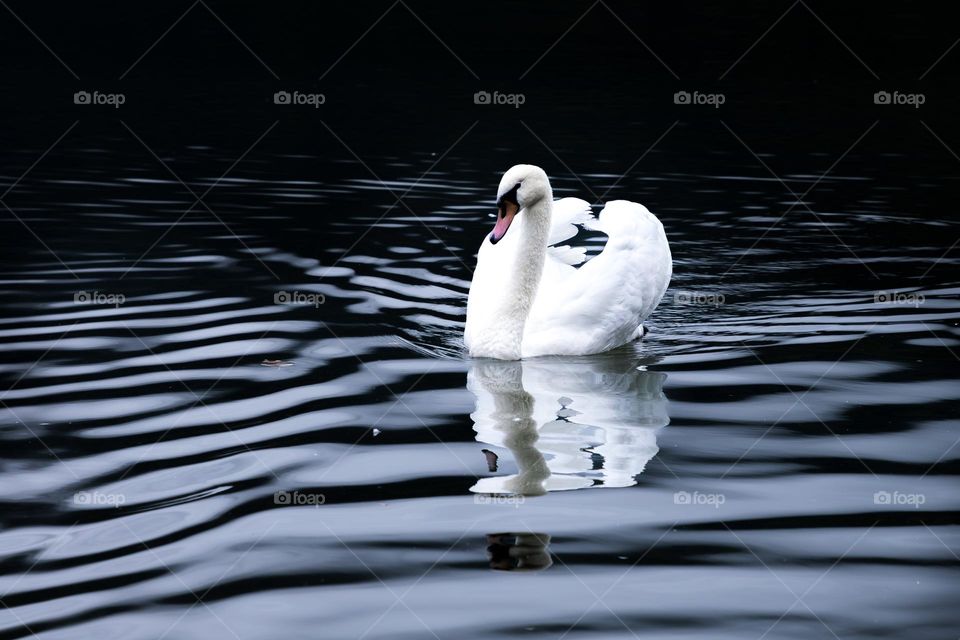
x: 510, y: 196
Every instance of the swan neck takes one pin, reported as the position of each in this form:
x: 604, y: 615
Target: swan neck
x: 516, y: 268
x: 528, y: 267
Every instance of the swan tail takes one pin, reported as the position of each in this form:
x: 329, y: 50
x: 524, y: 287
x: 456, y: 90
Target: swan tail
x: 636, y: 237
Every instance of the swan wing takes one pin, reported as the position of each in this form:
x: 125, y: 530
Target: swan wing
x: 601, y: 305
x: 568, y: 214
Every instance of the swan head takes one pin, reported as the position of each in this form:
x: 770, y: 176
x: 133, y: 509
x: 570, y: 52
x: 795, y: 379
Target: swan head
x: 522, y: 186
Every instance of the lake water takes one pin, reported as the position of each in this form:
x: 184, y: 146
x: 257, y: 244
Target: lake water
x: 235, y: 402
x: 185, y: 452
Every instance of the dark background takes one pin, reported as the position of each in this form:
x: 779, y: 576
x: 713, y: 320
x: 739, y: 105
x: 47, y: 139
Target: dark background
x: 599, y: 90
x: 201, y: 77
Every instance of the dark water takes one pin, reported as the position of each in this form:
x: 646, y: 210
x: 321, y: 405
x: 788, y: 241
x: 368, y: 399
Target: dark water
x: 187, y: 455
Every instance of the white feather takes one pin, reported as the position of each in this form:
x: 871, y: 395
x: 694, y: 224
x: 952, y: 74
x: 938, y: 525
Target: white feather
x: 567, y: 213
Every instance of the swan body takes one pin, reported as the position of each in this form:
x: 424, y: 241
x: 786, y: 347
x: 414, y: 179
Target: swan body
x: 528, y: 297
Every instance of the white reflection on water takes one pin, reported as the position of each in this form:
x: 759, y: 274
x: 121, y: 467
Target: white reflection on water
x: 569, y: 424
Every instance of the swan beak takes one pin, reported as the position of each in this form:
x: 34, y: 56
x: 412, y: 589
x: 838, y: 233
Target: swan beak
x: 505, y: 214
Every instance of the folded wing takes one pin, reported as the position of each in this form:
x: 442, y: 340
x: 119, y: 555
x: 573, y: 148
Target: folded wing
x: 568, y: 214
x: 602, y: 304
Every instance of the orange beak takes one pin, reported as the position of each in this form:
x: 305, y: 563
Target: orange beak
x: 505, y: 214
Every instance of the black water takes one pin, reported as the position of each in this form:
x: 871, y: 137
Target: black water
x: 185, y: 455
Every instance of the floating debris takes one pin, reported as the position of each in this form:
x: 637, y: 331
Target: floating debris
x: 376, y: 432
x: 276, y: 363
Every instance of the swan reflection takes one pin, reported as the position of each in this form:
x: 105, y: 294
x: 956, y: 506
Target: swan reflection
x: 519, y: 551
x: 570, y: 423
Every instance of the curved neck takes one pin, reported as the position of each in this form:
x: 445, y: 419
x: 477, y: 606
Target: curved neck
x: 525, y: 272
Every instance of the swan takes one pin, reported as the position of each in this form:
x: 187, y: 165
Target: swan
x: 528, y: 298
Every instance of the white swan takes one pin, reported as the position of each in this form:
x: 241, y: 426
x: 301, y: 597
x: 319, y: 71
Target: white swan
x: 528, y: 298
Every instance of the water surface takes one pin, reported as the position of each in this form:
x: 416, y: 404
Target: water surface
x: 778, y: 452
